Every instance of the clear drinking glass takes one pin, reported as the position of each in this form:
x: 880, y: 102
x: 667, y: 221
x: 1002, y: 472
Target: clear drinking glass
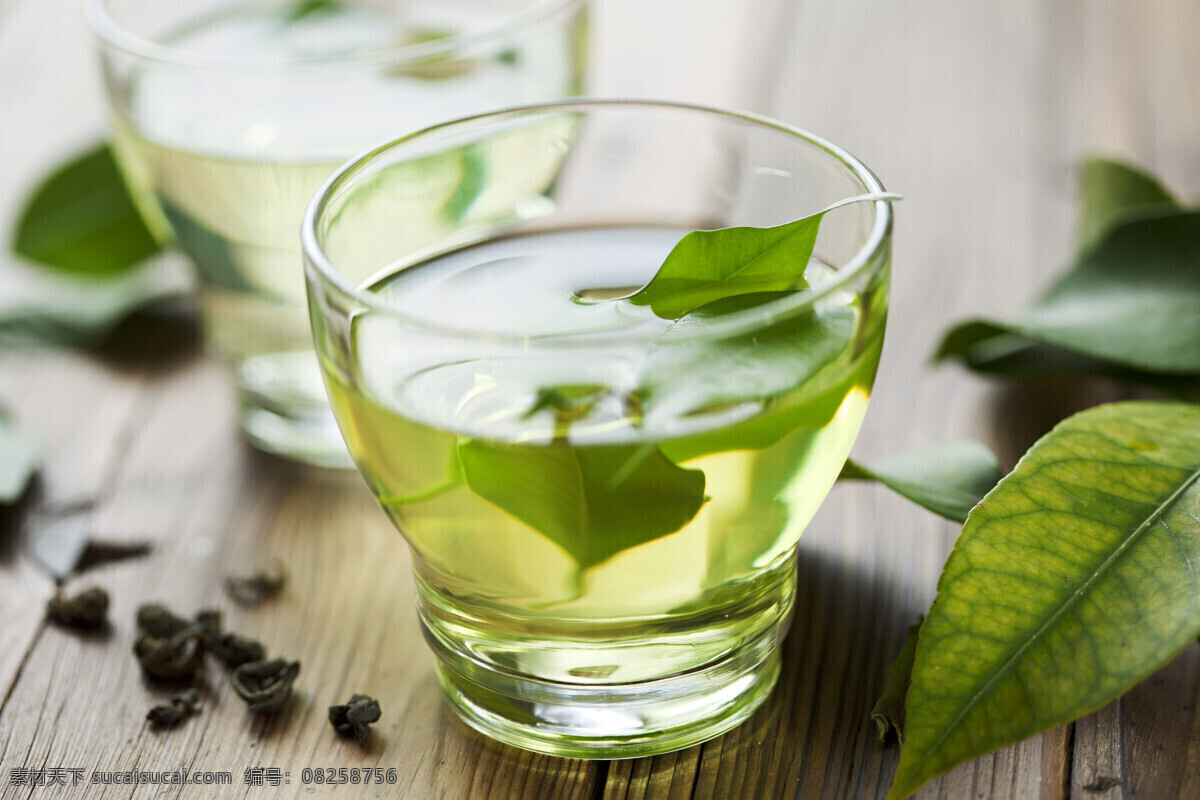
x: 603, y: 505
x: 227, y: 117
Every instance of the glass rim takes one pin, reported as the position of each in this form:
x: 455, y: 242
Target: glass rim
x: 112, y: 33
x: 730, y: 324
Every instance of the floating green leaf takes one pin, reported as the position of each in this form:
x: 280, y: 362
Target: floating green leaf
x: 593, y: 502
x: 1073, y: 580
x: 1111, y: 190
x: 1131, y: 300
x: 710, y: 265
x: 948, y: 479
x: 81, y: 219
x: 18, y: 460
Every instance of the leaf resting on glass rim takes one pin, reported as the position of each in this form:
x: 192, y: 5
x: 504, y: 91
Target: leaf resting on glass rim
x: 354, y: 717
x: 712, y: 265
x: 265, y: 685
x: 174, y: 710
x: 1064, y: 588
x: 87, y: 610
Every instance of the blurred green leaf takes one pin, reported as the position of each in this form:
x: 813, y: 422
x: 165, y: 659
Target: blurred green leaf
x: 948, y: 479
x: 1072, y: 580
x: 1112, y: 189
x: 1131, y: 300
x: 49, y: 307
x: 81, y: 219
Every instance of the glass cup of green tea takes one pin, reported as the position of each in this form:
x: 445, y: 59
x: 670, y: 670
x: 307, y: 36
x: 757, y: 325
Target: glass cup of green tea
x: 228, y: 116
x: 600, y: 362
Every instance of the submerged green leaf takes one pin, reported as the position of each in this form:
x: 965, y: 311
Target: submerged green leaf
x: 694, y: 377
x: 1132, y: 299
x: 82, y: 219
x: 949, y: 479
x: 18, y: 460
x: 1111, y: 190
x: 1073, y: 580
x: 593, y: 502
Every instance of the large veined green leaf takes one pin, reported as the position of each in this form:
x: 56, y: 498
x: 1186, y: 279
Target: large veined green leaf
x: 82, y: 219
x: 1132, y: 299
x: 593, y: 502
x: 948, y: 479
x: 1073, y: 579
x: 1112, y: 189
x: 18, y: 460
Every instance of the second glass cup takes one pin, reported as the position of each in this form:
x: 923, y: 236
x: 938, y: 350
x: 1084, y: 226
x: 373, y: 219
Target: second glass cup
x: 229, y: 115
x: 603, y: 493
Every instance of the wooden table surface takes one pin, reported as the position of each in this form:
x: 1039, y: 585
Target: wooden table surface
x: 977, y: 112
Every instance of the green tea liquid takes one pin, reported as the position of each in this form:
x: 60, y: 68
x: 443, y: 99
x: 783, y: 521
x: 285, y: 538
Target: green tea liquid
x: 497, y: 496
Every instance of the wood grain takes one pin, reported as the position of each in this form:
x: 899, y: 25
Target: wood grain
x: 977, y: 113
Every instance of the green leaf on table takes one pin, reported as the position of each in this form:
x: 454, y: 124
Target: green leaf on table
x: 888, y: 713
x: 710, y: 265
x: 1111, y: 190
x: 1072, y: 581
x: 18, y: 460
x: 949, y: 479
x: 81, y: 219
x: 593, y: 502
x: 49, y: 307
x: 1130, y: 299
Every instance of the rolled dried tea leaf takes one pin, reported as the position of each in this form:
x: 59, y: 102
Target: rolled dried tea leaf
x: 229, y: 647
x: 265, y: 685
x: 354, y: 717
x: 250, y: 590
x: 160, y: 622
x: 177, y: 657
x: 174, y: 710
x: 87, y: 610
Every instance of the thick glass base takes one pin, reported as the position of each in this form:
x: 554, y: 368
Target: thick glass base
x: 611, y: 720
x: 611, y: 689
x: 284, y: 410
